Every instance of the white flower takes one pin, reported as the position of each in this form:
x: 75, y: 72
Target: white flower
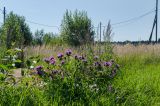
x: 14, y: 59
x: 31, y: 67
x: 93, y: 86
x: 34, y: 62
x: 14, y: 56
x: 18, y: 49
x: 29, y: 75
x: 13, y: 65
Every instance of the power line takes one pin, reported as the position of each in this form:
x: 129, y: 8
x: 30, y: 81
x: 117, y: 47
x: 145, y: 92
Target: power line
x: 133, y: 19
x: 114, y: 24
x: 130, y: 21
x: 42, y: 24
x: 1, y: 10
x: 36, y: 23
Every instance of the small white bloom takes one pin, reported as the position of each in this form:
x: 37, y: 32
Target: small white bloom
x: 34, y: 62
x: 97, y: 89
x: 29, y: 75
x: 14, y: 59
x: 13, y: 65
x: 14, y: 56
x: 18, y: 49
x: 31, y: 67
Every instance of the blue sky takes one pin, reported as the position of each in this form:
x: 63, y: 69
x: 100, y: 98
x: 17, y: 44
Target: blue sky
x: 50, y: 12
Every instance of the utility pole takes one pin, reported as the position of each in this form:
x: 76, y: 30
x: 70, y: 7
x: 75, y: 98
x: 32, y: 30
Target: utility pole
x: 100, y: 31
x: 4, y: 15
x: 156, y: 20
x: 100, y: 27
x: 155, y: 24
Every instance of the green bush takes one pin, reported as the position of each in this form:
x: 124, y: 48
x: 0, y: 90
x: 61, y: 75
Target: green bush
x: 76, y: 28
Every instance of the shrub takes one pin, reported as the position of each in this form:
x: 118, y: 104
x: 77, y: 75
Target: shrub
x: 76, y: 28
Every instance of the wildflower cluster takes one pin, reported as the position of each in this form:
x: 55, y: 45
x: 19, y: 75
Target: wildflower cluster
x: 66, y: 63
x: 50, y: 60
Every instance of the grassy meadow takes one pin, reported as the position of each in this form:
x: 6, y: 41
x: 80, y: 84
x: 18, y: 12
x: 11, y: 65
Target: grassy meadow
x: 80, y: 83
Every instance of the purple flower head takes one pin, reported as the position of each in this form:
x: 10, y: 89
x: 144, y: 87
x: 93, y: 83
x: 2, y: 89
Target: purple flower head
x: 96, y: 57
x: 40, y: 72
x: 51, y: 58
x: 54, y: 72
x: 76, y: 57
x: 62, y: 62
x: 38, y: 68
x: 68, y: 52
x: 60, y: 55
x: 47, y: 60
x: 97, y: 64
x: 52, y: 62
x: 81, y: 58
x: 109, y: 64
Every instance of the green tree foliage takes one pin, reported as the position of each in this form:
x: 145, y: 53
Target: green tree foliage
x: 48, y: 37
x: 52, y: 39
x: 107, y: 33
x: 15, y: 31
x: 38, y: 37
x: 76, y: 28
x: 42, y: 38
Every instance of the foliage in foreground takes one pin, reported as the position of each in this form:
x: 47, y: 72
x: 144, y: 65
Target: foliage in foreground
x: 138, y: 84
x: 63, y: 79
x: 55, y: 81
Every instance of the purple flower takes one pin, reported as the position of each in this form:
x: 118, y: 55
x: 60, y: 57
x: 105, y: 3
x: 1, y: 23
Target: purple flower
x: 76, y: 57
x: 39, y: 68
x: 51, y: 58
x: 47, y: 60
x: 97, y: 64
x: 60, y: 55
x: 62, y: 62
x: 109, y: 64
x: 54, y: 72
x: 81, y: 58
x: 40, y: 72
x: 52, y: 62
x: 68, y: 52
x: 96, y: 57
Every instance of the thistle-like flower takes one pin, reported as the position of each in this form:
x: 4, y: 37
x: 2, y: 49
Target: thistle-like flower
x: 60, y: 55
x: 68, y: 52
x: 109, y: 64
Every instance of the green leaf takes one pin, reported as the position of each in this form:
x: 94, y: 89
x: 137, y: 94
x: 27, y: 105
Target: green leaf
x: 4, y: 67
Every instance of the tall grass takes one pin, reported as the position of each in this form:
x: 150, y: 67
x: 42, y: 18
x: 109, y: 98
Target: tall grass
x: 136, y: 84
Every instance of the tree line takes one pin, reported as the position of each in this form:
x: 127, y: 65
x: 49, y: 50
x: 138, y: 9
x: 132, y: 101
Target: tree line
x: 76, y: 29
